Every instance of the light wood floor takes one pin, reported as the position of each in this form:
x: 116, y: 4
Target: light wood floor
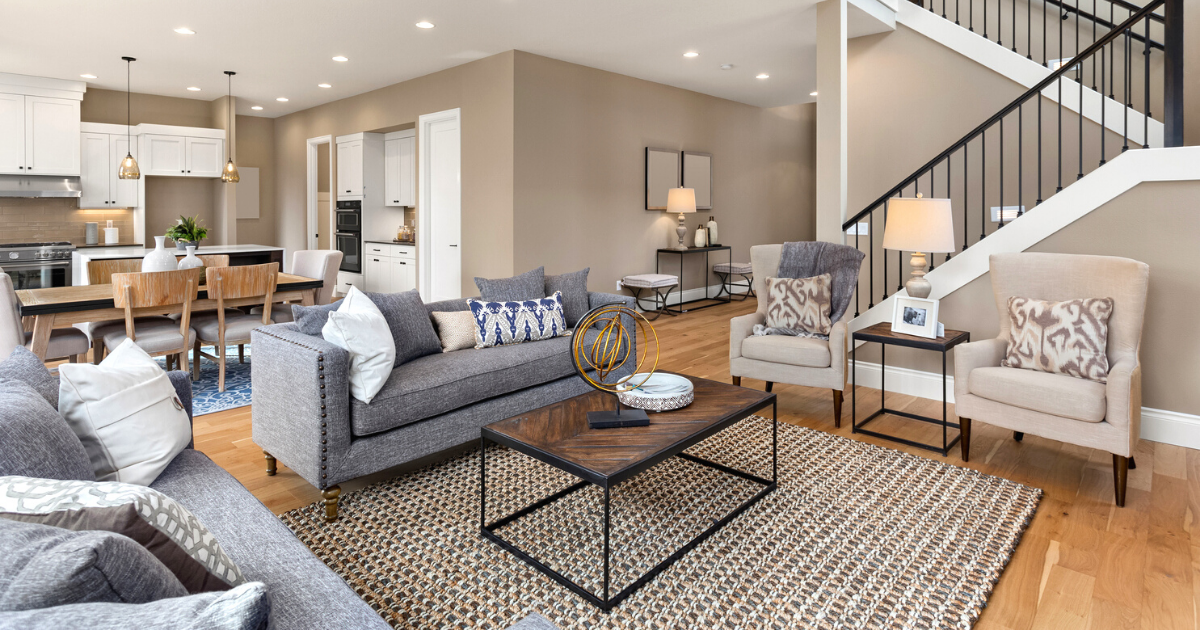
x: 1083, y: 563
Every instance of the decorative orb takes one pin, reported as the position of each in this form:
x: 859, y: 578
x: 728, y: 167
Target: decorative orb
x: 610, y: 349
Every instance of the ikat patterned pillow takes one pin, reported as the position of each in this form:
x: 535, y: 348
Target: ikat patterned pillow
x: 1068, y: 337
x: 507, y: 323
x: 800, y: 304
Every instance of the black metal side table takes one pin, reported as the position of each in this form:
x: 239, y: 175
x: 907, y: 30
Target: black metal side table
x: 882, y: 334
x: 707, y: 268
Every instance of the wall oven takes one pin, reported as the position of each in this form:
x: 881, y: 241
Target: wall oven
x: 348, y: 236
x: 37, y: 265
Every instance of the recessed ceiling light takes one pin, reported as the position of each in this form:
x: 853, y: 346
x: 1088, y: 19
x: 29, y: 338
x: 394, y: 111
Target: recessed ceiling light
x: 193, y: 89
x: 183, y: 30
x: 812, y: 93
x: 88, y: 76
x: 691, y: 53
x: 257, y: 108
x: 763, y: 76
x: 324, y: 85
x: 423, y: 24
x: 281, y: 99
x: 727, y: 66
x: 340, y: 58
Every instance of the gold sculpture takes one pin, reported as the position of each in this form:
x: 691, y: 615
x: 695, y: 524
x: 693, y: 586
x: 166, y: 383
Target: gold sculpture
x: 608, y: 353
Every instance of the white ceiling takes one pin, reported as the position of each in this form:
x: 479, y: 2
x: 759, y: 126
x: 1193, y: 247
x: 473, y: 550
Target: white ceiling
x: 285, y: 47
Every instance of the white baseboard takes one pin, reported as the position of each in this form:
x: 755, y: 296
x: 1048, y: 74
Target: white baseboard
x: 687, y: 295
x: 1158, y: 425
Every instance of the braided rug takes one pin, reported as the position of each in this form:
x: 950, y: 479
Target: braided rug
x: 856, y: 536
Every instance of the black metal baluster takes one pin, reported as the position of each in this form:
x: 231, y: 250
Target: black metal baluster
x: 1045, y: 14
x: 1125, y: 99
x: 948, y: 189
x: 966, y: 186
x: 1028, y: 31
x: 983, y: 207
x: 1103, y: 111
x: 1001, y: 172
x: 1014, y: 26
x: 1079, y: 78
x: 971, y: 15
x: 858, y: 282
x: 1020, y: 156
x: 885, y: 255
x: 1112, y: 58
x: 1058, y: 156
x: 957, y: 10
x: 985, y: 19
x: 1000, y: 23
x: 1146, y: 77
x: 1039, y: 150
x: 871, y: 246
x: 1095, y: 18
x: 944, y: 9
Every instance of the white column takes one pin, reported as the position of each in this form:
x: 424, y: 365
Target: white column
x: 831, y: 120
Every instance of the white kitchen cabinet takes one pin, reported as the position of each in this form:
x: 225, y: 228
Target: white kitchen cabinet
x: 12, y: 134
x: 124, y: 192
x: 400, y: 172
x: 350, y: 169
x: 100, y: 162
x: 205, y: 156
x: 182, y: 156
x: 377, y: 274
x: 346, y: 279
x: 403, y: 275
x: 390, y: 268
x: 51, y: 136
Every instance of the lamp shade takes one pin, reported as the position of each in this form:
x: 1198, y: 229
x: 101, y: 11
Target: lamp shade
x: 681, y: 200
x: 919, y: 225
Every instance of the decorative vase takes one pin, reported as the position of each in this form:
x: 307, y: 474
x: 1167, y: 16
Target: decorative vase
x: 160, y: 259
x: 182, y: 245
x: 190, y: 261
x: 701, y: 237
x: 712, y: 231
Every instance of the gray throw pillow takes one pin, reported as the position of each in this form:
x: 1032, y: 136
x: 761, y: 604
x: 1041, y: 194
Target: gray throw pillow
x: 530, y: 285
x: 573, y: 287
x: 246, y: 607
x: 23, y: 365
x: 35, y: 441
x: 412, y: 330
x: 45, y: 566
x: 311, y: 319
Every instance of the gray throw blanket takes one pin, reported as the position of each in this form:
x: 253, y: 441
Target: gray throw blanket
x: 806, y: 259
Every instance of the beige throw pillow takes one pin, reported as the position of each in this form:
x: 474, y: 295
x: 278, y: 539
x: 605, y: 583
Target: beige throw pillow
x: 455, y: 329
x: 1068, y: 337
x: 800, y: 303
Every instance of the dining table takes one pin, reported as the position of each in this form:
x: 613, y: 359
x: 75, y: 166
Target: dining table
x: 43, y: 310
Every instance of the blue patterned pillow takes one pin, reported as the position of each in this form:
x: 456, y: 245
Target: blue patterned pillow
x: 507, y: 323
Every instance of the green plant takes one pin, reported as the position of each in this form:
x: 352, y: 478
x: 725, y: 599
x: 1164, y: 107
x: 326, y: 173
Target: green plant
x: 187, y: 229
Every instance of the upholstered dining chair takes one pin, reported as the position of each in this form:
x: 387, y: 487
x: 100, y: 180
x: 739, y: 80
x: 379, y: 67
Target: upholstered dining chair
x: 1105, y: 416
x: 153, y: 293
x: 65, y: 343
x: 783, y: 358
x: 310, y: 263
x: 224, y: 326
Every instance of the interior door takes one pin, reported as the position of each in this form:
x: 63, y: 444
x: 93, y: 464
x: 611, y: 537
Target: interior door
x: 12, y: 134
x: 124, y: 191
x: 445, y: 209
x: 205, y: 156
x: 94, y: 172
x: 51, y: 136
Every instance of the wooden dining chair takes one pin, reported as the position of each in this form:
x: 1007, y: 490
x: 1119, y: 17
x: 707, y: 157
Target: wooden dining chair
x: 101, y: 272
x: 233, y: 286
x: 209, y: 260
x: 65, y: 343
x: 153, y: 293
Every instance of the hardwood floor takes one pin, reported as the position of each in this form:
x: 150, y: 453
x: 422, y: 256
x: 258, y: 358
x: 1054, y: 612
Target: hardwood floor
x: 1083, y: 563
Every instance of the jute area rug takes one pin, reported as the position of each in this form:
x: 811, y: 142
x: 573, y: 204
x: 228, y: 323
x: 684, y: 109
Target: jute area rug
x: 856, y: 536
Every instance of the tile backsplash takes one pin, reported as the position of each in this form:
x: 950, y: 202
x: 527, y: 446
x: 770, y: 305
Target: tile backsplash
x: 32, y: 220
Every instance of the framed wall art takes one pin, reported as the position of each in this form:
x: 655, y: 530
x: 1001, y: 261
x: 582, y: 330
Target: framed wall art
x: 662, y: 174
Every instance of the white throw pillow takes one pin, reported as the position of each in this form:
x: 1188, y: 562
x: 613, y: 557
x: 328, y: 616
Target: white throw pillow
x: 358, y: 327
x: 126, y: 413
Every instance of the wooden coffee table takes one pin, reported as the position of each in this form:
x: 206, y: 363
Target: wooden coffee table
x: 558, y: 435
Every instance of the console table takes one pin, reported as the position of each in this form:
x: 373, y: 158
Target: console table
x: 707, y: 267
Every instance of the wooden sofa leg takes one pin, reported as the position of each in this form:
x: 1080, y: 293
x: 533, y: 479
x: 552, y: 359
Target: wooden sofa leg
x: 1018, y: 436
x: 769, y: 386
x: 965, y: 442
x: 837, y: 408
x: 737, y: 381
x: 331, y: 502
x: 271, y: 464
x: 1120, y: 475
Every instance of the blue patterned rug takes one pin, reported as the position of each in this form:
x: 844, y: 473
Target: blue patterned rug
x: 206, y: 398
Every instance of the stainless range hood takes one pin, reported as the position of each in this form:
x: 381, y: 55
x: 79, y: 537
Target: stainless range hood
x: 39, y: 186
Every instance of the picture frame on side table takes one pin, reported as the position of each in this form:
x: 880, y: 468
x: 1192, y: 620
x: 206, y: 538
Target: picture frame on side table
x: 915, y: 316
x: 697, y: 175
x: 662, y: 174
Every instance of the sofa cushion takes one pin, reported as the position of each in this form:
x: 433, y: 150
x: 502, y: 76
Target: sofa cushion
x: 573, y: 287
x: 46, y: 566
x: 1068, y: 337
x: 456, y: 329
x: 305, y: 594
x: 237, y: 326
x: 246, y: 607
x: 508, y: 323
x: 311, y: 319
x: 788, y: 350
x: 34, y: 440
x: 409, y: 322
x: 799, y: 304
x: 530, y: 285
x: 361, y: 330
x: 1055, y: 394
x: 23, y: 365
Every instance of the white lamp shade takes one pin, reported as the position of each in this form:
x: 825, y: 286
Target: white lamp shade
x: 919, y: 225
x: 681, y: 200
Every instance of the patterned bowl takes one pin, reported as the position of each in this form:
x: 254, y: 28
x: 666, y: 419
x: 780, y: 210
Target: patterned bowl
x: 661, y: 392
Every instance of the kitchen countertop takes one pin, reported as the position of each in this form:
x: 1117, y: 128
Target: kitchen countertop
x: 409, y: 243
x: 137, y: 251
x: 100, y: 245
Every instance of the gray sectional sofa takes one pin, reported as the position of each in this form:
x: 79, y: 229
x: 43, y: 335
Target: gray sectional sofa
x: 304, y: 416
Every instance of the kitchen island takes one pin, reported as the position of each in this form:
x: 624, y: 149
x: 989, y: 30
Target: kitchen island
x: 238, y: 255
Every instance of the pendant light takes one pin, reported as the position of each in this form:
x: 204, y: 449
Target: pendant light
x: 230, y: 173
x: 129, y: 166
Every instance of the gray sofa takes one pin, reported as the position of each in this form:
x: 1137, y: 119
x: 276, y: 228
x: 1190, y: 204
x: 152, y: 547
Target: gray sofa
x: 303, y: 414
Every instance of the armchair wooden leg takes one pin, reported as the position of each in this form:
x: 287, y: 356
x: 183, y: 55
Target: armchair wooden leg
x: 1132, y: 464
x: 965, y: 443
x: 837, y: 408
x: 270, y: 464
x: 769, y: 386
x: 1120, y: 475
x: 331, y: 502
x: 737, y: 381
x: 1018, y: 436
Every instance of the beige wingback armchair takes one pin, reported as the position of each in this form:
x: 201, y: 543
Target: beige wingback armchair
x: 1055, y: 406
x: 780, y: 358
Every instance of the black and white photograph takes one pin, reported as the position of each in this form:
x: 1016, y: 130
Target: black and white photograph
x: 915, y: 316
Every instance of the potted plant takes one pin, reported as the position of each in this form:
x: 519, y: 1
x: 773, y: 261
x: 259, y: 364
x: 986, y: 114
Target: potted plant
x: 187, y: 231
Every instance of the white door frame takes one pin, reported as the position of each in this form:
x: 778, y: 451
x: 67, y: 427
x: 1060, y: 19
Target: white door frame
x: 425, y: 253
x: 311, y: 201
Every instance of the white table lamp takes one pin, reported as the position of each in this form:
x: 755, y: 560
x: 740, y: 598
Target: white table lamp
x: 921, y: 226
x: 681, y: 200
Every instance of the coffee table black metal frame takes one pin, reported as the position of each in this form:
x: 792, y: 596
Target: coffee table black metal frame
x: 881, y: 334
x: 607, y: 483
x: 707, y: 268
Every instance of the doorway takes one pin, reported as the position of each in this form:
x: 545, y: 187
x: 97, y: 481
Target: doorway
x: 440, y: 206
x: 320, y: 196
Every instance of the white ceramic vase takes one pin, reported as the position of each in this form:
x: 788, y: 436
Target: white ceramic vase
x: 190, y: 261
x: 160, y: 259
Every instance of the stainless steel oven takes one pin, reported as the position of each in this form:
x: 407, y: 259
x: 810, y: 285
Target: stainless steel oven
x: 37, y: 265
x: 348, y: 237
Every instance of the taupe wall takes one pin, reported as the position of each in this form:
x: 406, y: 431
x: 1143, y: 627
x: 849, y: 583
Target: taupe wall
x: 483, y: 90
x: 108, y: 106
x: 256, y: 148
x: 1155, y: 223
x: 169, y: 197
x: 579, y: 192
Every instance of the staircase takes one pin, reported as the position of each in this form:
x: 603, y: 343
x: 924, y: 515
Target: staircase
x: 1084, y: 131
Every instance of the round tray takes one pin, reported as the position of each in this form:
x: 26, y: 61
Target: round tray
x: 662, y: 392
